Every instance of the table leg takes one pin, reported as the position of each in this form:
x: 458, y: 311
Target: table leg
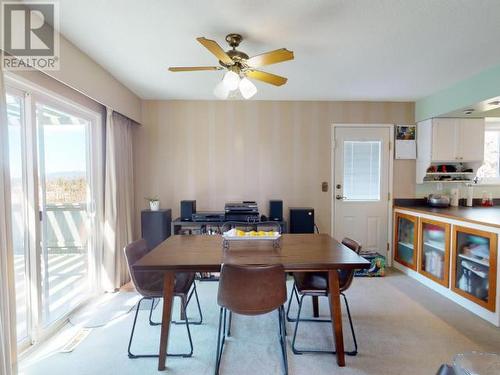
x: 336, y: 313
x: 315, y: 306
x: 168, y: 296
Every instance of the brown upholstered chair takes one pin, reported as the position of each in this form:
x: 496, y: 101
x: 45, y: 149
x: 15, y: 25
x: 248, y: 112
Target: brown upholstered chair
x: 150, y: 286
x: 315, y: 284
x: 250, y: 290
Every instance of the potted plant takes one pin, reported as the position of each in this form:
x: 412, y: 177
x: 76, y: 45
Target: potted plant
x: 154, y: 203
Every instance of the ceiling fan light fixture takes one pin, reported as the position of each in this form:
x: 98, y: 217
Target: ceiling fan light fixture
x: 247, y: 88
x: 231, y: 80
x: 221, y: 91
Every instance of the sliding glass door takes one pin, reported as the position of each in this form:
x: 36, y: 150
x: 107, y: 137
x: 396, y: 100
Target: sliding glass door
x: 65, y: 199
x: 54, y: 150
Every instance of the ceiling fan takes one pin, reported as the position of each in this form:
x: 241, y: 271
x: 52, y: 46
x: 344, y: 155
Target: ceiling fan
x: 240, y: 67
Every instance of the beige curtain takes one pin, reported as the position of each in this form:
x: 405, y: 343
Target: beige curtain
x: 118, y: 199
x: 7, y: 307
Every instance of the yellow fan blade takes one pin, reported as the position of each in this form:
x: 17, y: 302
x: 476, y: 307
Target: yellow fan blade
x: 269, y: 58
x: 217, y: 50
x: 193, y: 68
x: 273, y: 79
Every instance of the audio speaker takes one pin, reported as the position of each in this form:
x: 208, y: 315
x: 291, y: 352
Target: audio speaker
x: 276, y: 210
x: 188, y: 208
x: 155, y: 226
x: 302, y: 220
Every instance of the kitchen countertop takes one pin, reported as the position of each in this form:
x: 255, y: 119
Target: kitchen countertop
x: 479, y: 215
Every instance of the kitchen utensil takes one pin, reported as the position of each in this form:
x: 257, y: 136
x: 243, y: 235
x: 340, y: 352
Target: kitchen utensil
x: 438, y: 200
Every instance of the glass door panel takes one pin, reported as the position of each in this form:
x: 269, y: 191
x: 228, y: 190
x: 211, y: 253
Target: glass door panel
x: 406, y: 240
x: 15, y: 119
x: 64, y: 196
x: 474, y: 265
x: 434, y: 250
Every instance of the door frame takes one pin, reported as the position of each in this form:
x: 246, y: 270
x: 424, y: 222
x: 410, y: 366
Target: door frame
x: 34, y: 93
x: 389, y: 127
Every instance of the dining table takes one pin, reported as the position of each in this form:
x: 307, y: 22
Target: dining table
x: 207, y: 253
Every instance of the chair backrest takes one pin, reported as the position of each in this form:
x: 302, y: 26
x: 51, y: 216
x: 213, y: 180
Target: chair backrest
x: 251, y: 289
x: 143, y: 281
x: 346, y: 277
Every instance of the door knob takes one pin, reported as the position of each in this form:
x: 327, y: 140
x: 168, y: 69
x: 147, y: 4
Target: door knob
x: 340, y: 197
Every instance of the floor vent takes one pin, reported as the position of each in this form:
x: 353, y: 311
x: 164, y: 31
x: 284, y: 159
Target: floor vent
x: 76, y: 340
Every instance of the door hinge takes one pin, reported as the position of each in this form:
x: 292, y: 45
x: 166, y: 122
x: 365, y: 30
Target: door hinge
x: 390, y: 145
x: 389, y: 197
x: 388, y: 246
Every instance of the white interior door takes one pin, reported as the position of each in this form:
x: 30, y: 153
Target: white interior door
x: 361, y: 185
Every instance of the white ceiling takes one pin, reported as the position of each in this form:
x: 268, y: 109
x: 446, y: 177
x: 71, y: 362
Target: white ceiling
x: 344, y: 49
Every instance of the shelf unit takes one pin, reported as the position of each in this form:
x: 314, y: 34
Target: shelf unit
x: 481, y: 288
x: 440, y: 251
x: 406, y: 229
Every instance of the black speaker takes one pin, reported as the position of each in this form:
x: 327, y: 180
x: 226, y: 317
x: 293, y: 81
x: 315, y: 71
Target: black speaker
x: 302, y: 220
x: 188, y: 208
x: 276, y: 210
x: 155, y: 226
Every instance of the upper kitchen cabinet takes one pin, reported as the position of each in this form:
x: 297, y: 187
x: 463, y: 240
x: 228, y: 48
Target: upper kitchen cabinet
x: 451, y: 140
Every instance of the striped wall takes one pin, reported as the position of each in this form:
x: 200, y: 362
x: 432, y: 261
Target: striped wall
x: 216, y: 151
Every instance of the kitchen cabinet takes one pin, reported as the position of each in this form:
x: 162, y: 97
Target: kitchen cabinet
x: 450, y: 140
x: 474, y: 263
x: 457, y: 140
x: 405, y: 239
x: 444, y: 139
x: 470, y: 144
x: 434, y: 250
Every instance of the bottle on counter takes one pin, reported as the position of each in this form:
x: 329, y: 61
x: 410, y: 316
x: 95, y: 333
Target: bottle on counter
x: 470, y: 195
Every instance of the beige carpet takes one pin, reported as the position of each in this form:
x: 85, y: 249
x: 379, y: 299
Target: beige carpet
x: 402, y: 328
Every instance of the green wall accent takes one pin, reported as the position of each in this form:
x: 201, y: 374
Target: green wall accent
x: 475, y: 89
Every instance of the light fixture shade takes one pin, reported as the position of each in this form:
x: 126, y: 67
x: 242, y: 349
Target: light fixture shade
x: 221, y: 91
x: 231, y: 80
x: 247, y: 88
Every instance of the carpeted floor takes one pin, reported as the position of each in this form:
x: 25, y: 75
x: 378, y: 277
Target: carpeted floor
x: 402, y: 328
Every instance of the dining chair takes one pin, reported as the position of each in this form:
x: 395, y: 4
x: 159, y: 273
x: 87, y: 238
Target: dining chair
x: 150, y: 286
x: 315, y: 284
x: 250, y: 290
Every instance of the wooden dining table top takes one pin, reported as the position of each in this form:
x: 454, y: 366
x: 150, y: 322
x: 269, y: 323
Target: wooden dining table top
x: 296, y: 252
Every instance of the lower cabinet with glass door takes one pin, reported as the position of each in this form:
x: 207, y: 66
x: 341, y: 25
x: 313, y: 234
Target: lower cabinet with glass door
x: 456, y: 258
x: 405, y: 239
x: 474, y: 265
x: 434, y: 250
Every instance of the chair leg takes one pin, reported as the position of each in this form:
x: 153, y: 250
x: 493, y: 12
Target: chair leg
x: 151, y: 323
x: 299, y: 319
x: 194, y: 292
x: 282, y: 323
x: 292, y: 294
x: 220, y: 342
x: 230, y: 323
x: 131, y: 355
x: 355, y: 351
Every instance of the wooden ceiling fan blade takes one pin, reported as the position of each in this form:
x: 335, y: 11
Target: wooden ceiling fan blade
x: 217, y: 50
x: 272, y: 57
x: 273, y: 79
x: 193, y: 68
